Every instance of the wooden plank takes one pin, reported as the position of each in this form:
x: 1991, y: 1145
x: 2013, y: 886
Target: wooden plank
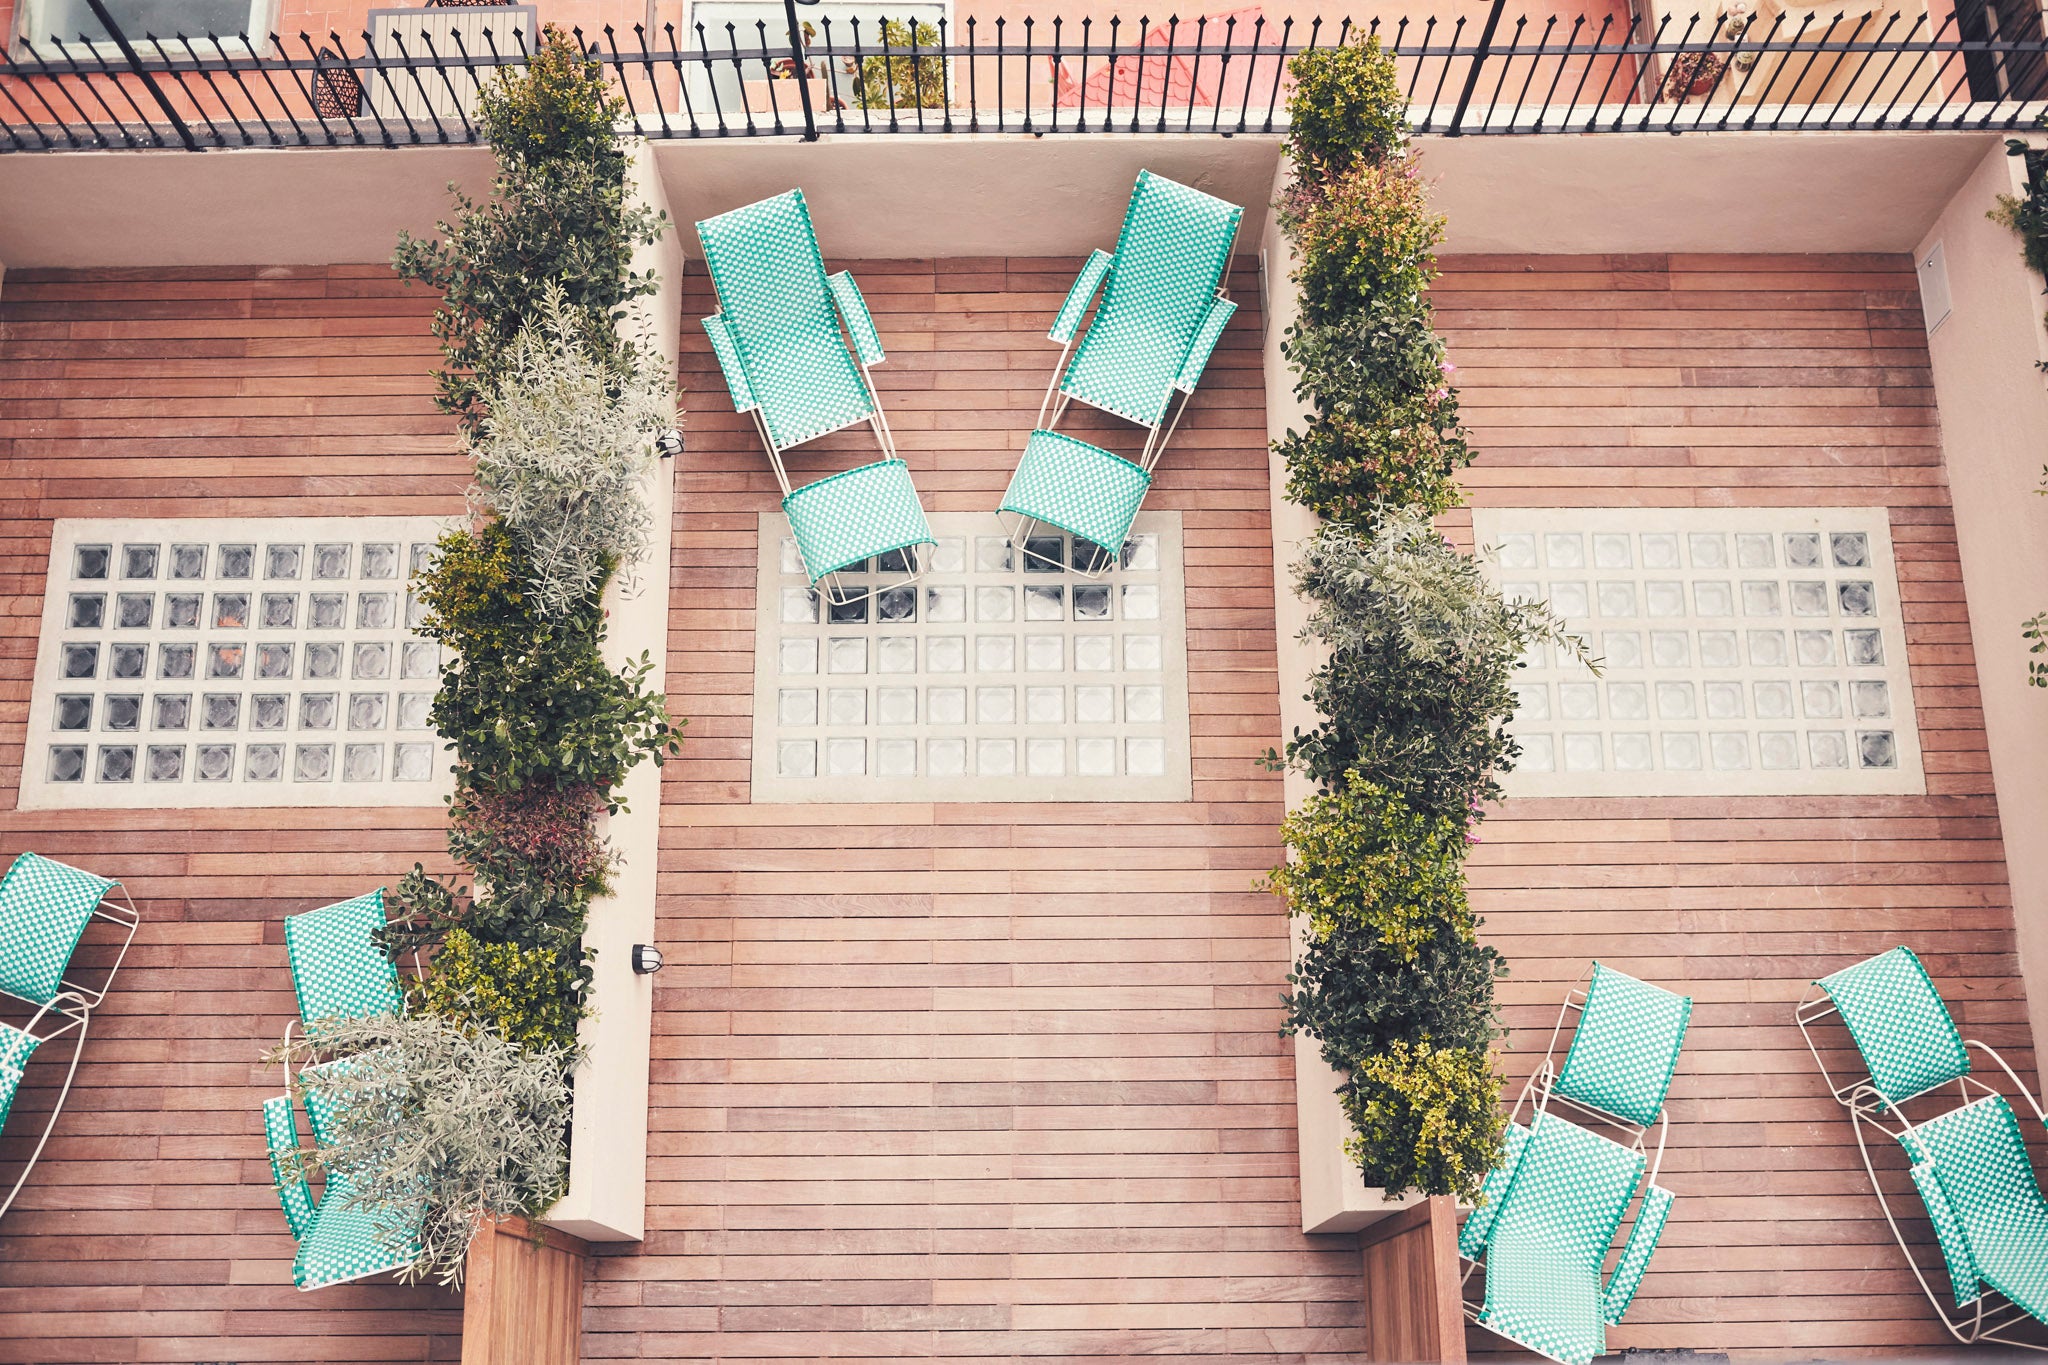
x: 1412, y: 1306
x: 523, y: 1296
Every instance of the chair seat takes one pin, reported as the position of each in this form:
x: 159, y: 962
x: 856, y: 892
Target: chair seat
x: 1979, y: 1160
x: 851, y: 517
x: 344, y: 1243
x: 44, y: 908
x: 15, y: 1047
x: 1534, y: 1298
x: 807, y: 386
x: 1082, y: 489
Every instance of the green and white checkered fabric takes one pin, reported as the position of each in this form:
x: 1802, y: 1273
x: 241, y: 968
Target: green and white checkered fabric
x: 1206, y: 337
x: 1544, y: 1256
x: 852, y: 516
x: 1080, y: 294
x: 1636, y: 1253
x: 1948, y: 1232
x: 778, y: 314
x: 728, y: 354
x: 44, y: 908
x: 281, y: 1132
x: 1980, y: 1161
x: 344, y: 1243
x: 337, y: 967
x: 1625, y: 1048
x: 1900, y: 1024
x: 1170, y: 258
x: 1472, y: 1236
x: 15, y: 1047
x: 860, y: 324
x: 1080, y: 488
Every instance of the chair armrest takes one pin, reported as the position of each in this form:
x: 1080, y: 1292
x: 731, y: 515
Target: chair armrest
x: 1205, y: 341
x: 1635, y: 1256
x: 1085, y: 284
x: 728, y: 353
x: 1478, y: 1227
x: 1948, y: 1230
x: 281, y: 1132
x: 853, y: 310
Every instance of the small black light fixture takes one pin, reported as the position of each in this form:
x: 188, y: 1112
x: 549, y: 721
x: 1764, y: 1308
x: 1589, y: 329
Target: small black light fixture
x: 669, y: 444
x: 646, y: 959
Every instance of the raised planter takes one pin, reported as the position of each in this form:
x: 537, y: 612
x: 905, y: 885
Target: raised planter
x: 523, y: 1296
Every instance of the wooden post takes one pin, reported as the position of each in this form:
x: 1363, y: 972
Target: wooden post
x: 523, y: 1296
x: 1412, y: 1308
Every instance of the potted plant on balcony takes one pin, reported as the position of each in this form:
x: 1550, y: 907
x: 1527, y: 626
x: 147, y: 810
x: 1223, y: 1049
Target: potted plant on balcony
x: 776, y: 92
x: 1693, y: 74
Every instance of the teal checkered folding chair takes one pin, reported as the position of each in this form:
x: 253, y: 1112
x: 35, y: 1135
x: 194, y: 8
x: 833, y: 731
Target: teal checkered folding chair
x: 1623, y: 1054
x: 338, y: 969
x: 45, y: 908
x: 778, y: 341
x: 1966, y: 1158
x: 339, y: 1238
x: 1162, y: 311
x: 1542, y: 1232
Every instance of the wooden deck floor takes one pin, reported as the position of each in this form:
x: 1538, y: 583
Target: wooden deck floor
x: 994, y: 1082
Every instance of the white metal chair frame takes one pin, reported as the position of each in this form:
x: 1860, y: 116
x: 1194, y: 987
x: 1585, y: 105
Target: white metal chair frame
x: 1992, y: 1314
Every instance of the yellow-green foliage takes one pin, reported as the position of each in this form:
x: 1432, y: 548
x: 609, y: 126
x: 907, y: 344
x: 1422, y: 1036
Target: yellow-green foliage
x: 1427, y: 1117
x: 523, y: 994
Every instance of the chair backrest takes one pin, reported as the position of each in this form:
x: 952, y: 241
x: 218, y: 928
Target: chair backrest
x: 765, y: 265
x: 1904, y: 1031
x: 1626, y: 1046
x: 338, y: 970
x: 1170, y: 257
x: 1980, y: 1158
x: 44, y: 908
x: 1569, y: 1191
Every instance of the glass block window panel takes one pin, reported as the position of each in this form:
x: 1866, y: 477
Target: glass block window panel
x: 248, y: 662
x: 1751, y: 651
x: 996, y: 676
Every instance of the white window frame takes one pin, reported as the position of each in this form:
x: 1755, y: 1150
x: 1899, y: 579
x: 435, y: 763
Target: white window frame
x: 32, y: 26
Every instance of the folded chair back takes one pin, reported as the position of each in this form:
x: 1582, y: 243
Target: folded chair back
x: 1625, y: 1048
x: 44, y: 908
x: 337, y: 1242
x: 1170, y: 258
x: 1972, y: 1170
x: 1899, y: 1023
x: 338, y: 970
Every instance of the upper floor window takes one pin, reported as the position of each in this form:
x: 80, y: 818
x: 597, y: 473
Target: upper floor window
x: 73, y: 22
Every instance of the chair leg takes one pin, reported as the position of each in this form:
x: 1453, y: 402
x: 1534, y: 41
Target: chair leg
x: 83, y: 1021
x: 130, y: 922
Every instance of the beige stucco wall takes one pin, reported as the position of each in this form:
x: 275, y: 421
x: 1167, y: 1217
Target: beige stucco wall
x: 1994, y: 434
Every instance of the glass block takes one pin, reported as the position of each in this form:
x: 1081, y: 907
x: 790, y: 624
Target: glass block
x: 896, y: 604
x: 117, y: 763
x: 330, y: 561
x: 262, y: 763
x: 945, y: 758
x: 1709, y: 549
x: 376, y: 610
x: 236, y: 561
x: 791, y: 560
x: 1676, y: 701
x: 181, y: 611
x: 327, y: 610
x: 995, y: 604
x: 895, y: 758
x: 188, y: 561
x: 1617, y: 598
x: 225, y: 660
x: 1767, y: 648
x: 945, y: 654
x: 312, y: 762
x: 74, y: 712
x: 67, y: 761
x: 1045, y: 653
x: 1856, y: 598
x: 896, y: 561
x: 91, y: 561
x: 1522, y: 591
x: 1753, y: 550
x: 362, y: 763
x: 1045, y: 757
x: 1045, y: 603
x: 1622, y: 649
x: 283, y: 561
x: 1144, y: 704
x: 1532, y: 701
x: 1516, y: 551
x: 122, y: 713
x: 1095, y: 756
x: 175, y: 661
x: 273, y: 661
x: 1773, y: 700
x: 1816, y: 648
x: 1871, y: 699
x: 1660, y: 550
x: 1723, y: 699
x: 896, y: 705
x: 134, y: 610
x: 411, y: 762
x: 1851, y: 549
x: 995, y: 705
x: 1564, y: 550
x: 1539, y: 753
x: 165, y: 763
x: 1713, y: 599
x: 1569, y: 599
x: 847, y: 654
x: 1583, y: 753
x: 317, y: 710
x: 1681, y: 750
x: 1611, y: 551
x: 1821, y: 700
x: 1578, y: 700
x: 80, y: 661
x: 1045, y: 705
x: 419, y: 659
x: 139, y: 561
x: 230, y: 610
x: 1094, y: 653
x: 220, y: 711
x: 372, y: 659
x: 1777, y: 750
x: 949, y: 555
x: 1044, y: 554
x: 946, y: 705
x: 996, y: 757
x: 88, y: 611
x: 1143, y: 653
x: 420, y: 556
x: 1145, y: 756
x: 1095, y: 705
x: 1141, y: 601
x: 1809, y: 599
x: 269, y: 711
x: 947, y: 604
x: 1628, y: 700
x: 323, y: 660
x: 1865, y: 648
x: 280, y: 611
x: 380, y: 560
x: 1827, y: 748
x: 214, y: 763
x: 846, y: 706
x: 1632, y: 752
x: 1091, y: 602
x: 1802, y: 549
x: 992, y: 555
x: 896, y: 654
x: 1730, y: 750
x: 1876, y: 749
x: 1762, y: 599
x: 847, y: 611
x: 1085, y: 556
x: 1670, y: 649
x: 1141, y: 553
x: 799, y: 606
x: 995, y: 653
x: 368, y: 711
x: 128, y: 661
x: 1718, y: 649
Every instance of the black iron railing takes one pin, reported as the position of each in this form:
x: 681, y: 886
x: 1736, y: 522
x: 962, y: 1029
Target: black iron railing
x: 416, y: 84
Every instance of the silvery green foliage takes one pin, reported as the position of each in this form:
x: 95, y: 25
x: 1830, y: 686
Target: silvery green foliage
x: 562, y: 453
x: 431, y: 1111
